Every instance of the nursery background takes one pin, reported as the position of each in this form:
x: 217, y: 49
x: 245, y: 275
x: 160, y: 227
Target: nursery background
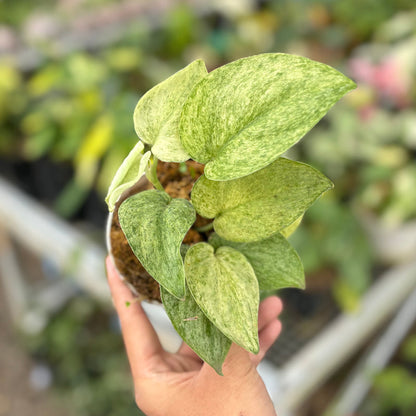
x: 71, y: 73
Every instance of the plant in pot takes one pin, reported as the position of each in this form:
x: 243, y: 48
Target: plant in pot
x: 203, y: 204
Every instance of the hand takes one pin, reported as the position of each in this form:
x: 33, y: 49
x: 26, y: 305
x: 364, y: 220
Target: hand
x: 181, y: 384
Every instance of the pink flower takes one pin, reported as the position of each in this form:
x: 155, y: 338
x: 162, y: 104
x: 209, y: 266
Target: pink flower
x: 387, y: 78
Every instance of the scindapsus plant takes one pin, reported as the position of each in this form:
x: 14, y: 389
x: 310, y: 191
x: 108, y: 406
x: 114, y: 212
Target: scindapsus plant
x: 233, y: 124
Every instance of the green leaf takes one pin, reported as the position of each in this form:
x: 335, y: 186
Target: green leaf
x: 157, y: 114
x: 155, y: 225
x: 243, y: 115
x: 196, y: 329
x: 274, y: 261
x: 129, y: 172
x: 288, y: 231
x: 261, y: 204
x: 225, y: 287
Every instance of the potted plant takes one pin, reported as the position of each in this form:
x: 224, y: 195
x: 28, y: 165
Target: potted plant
x: 205, y: 233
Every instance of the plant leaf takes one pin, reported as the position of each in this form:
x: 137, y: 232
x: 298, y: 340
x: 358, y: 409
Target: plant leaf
x: 274, y: 261
x: 243, y: 115
x: 289, y: 230
x: 196, y: 329
x: 129, y: 172
x: 155, y: 225
x: 257, y: 206
x: 157, y: 114
x: 225, y: 287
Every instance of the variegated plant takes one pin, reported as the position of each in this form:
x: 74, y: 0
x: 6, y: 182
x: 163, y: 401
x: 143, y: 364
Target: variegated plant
x: 236, y: 120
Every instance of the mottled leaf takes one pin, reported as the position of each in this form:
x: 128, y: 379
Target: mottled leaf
x: 274, y: 261
x: 157, y: 114
x: 261, y: 204
x: 129, y: 172
x: 155, y: 225
x: 224, y: 286
x: 243, y: 115
x: 196, y: 329
x: 288, y: 231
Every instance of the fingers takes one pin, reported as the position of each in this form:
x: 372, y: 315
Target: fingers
x: 240, y: 362
x: 237, y: 365
x: 269, y: 326
x: 139, y: 336
x: 185, y: 349
x: 267, y: 337
x: 269, y: 309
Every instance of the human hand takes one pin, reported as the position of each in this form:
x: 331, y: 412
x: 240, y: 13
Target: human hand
x: 181, y: 384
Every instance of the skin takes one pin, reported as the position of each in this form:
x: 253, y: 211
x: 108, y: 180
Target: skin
x: 181, y: 384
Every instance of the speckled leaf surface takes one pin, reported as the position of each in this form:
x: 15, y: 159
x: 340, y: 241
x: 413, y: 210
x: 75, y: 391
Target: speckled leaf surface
x: 256, y: 206
x: 243, y: 115
x: 196, y: 329
x: 288, y: 231
x: 224, y: 286
x: 155, y: 225
x: 274, y: 261
x: 157, y: 114
x: 129, y: 172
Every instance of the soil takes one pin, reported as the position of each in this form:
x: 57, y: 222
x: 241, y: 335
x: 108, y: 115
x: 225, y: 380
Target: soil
x: 178, y: 183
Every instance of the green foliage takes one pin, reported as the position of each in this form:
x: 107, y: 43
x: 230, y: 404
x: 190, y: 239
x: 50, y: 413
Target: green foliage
x: 271, y: 274
x: 243, y: 115
x: 157, y: 115
x: 365, y: 144
x: 130, y: 171
x: 395, y: 389
x: 224, y: 285
x: 332, y: 236
x: 274, y: 97
x: 155, y: 225
x: 409, y: 349
x: 261, y: 204
x: 196, y: 329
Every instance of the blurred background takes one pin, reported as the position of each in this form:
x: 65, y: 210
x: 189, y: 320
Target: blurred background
x: 71, y: 73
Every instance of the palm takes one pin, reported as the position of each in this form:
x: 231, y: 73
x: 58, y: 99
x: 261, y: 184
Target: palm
x: 161, y: 377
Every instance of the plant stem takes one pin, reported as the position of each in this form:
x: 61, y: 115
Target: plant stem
x: 151, y: 174
x: 206, y: 227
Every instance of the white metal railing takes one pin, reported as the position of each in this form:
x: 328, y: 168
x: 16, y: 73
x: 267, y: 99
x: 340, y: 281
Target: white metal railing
x: 322, y: 356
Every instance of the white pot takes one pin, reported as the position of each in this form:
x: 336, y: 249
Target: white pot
x: 110, y: 252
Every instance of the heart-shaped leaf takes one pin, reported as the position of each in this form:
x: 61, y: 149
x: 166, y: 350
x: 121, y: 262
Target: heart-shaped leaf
x: 155, y: 225
x: 129, y: 172
x: 274, y: 261
x: 225, y: 287
x: 196, y: 329
x: 157, y: 114
x: 259, y: 205
x: 243, y: 115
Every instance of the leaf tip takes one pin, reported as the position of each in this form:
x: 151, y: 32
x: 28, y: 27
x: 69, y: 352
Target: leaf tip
x: 110, y: 205
x: 178, y: 294
x: 255, y: 348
